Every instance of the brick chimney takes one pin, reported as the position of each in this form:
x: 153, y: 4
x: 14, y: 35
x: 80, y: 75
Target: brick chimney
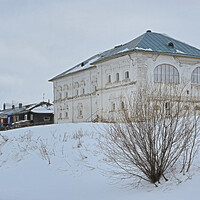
x: 4, y: 106
x: 20, y: 105
x: 13, y: 106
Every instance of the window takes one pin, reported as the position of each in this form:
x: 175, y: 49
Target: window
x: 156, y: 107
x: 117, y: 76
x: 186, y: 107
x: 60, y: 115
x: 83, y: 91
x: 126, y: 75
x: 80, y: 114
x: 31, y: 117
x: 167, y: 108
x: 76, y: 92
x: 9, y: 120
x: 113, y: 106
x: 66, y: 114
x: 66, y: 107
x: 59, y: 93
x: 76, y: 85
x: 109, y: 78
x: 197, y: 107
x: 26, y: 117
x: 122, y: 105
x: 166, y: 74
x: 195, y: 79
x: 46, y: 118
x: 167, y: 105
x: 80, y: 110
x: 66, y: 94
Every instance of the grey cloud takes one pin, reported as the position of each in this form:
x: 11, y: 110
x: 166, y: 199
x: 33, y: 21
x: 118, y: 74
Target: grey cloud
x: 40, y: 39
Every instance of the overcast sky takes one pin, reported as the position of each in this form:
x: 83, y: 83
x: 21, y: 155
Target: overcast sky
x: 42, y: 38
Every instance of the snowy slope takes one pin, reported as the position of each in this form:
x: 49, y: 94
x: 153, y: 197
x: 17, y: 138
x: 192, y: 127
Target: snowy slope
x: 59, y: 162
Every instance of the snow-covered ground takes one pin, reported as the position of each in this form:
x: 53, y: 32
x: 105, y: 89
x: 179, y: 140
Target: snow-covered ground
x: 59, y: 162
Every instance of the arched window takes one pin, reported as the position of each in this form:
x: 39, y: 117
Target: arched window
x: 122, y: 105
x: 59, y: 93
x: 80, y: 110
x: 66, y: 114
x: 195, y: 79
x: 126, y: 74
x: 66, y: 87
x: 83, y: 91
x: 82, y: 83
x: 76, y: 85
x: 113, y: 106
x: 117, y: 76
x: 76, y: 92
x: 109, y: 78
x: 166, y: 74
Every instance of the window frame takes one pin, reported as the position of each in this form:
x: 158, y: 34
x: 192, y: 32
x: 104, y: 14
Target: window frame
x: 126, y: 74
x: 46, y: 118
x: 117, y: 77
x: 122, y: 105
x: 113, y: 106
x: 166, y: 73
x: 195, y: 76
x: 109, y: 79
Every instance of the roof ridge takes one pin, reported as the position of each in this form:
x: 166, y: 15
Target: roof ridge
x: 142, y: 36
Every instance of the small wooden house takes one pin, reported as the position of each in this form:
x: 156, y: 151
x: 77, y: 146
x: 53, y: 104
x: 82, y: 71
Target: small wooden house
x: 29, y: 115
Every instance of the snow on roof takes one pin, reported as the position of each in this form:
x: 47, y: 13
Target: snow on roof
x: 43, y: 109
x: 80, y: 67
x: 142, y: 49
x: 124, y: 50
x: 21, y: 121
x: 178, y: 51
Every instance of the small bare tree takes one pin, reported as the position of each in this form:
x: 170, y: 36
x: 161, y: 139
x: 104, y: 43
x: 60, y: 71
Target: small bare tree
x: 157, y: 130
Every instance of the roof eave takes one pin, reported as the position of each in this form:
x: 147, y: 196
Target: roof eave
x: 57, y: 77
x: 111, y: 57
x: 154, y: 52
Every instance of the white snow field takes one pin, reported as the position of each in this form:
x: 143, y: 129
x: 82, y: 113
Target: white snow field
x: 62, y: 162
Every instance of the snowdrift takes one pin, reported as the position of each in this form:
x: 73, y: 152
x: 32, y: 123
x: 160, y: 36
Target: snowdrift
x: 59, y: 162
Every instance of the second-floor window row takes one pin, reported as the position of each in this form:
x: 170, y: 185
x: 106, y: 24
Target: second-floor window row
x: 117, y: 77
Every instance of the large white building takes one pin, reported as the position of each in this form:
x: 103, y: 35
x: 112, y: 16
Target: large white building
x: 96, y: 88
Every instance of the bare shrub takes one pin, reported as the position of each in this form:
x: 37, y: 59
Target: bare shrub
x: 77, y: 136
x: 44, y: 151
x: 3, y: 141
x: 155, y: 133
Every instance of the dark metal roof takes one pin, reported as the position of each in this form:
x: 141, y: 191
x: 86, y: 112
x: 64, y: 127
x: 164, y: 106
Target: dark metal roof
x: 17, y: 110
x: 148, y: 42
x: 23, y: 110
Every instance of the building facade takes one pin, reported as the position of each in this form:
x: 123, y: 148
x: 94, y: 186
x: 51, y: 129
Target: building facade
x: 96, y: 89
